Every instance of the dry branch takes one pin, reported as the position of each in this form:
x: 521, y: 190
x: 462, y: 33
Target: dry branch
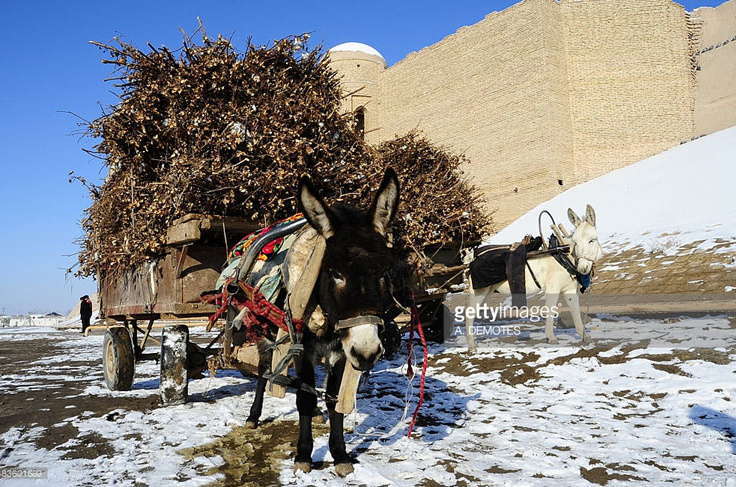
x: 206, y: 129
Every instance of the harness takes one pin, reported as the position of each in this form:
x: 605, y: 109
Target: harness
x: 563, y: 258
x: 258, y: 313
x: 358, y: 321
x: 534, y: 278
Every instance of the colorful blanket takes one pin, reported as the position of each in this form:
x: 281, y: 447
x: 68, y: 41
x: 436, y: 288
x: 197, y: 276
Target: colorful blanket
x: 269, y: 250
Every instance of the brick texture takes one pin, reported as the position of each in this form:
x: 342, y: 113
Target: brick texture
x: 715, y: 63
x: 545, y: 94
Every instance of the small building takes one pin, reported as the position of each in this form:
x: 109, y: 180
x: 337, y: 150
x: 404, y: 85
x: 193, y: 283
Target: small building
x: 52, y: 319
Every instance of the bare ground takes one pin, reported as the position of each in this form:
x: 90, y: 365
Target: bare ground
x: 49, y: 401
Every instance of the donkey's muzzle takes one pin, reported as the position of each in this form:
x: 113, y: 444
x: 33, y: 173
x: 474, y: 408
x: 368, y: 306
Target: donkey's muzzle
x: 362, y: 342
x: 366, y: 363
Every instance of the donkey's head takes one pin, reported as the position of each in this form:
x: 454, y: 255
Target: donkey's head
x: 584, y: 245
x: 355, y: 281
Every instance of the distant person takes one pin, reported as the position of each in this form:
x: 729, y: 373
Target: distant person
x: 85, y: 311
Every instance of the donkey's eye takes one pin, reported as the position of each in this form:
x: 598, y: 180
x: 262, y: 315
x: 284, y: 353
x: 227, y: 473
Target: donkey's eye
x: 593, y: 240
x: 338, y: 278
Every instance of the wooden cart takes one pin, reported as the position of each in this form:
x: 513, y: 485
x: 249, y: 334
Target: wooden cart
x: 441, y: 272
x: 169, y: 289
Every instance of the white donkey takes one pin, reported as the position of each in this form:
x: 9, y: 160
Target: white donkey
x: 553, y: 278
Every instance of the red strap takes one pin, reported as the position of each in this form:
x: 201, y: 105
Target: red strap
x: 261, y: 311
x: 416, y: 321
x: 410, y: 346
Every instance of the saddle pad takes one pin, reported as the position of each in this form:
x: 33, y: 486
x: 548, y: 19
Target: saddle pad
x: 495, y: 264
x: 489, y: 267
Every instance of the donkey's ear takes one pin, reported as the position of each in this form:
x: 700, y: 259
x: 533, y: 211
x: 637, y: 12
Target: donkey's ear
x: 385, y: 204
x: 574, y: 219
x: 590, y: 215
x: 318, y: 214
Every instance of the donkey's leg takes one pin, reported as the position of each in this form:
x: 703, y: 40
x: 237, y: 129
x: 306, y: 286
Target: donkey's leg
x: 343, y: 462
x: 305, y: 404
x: 550, y: 302
x: 472, y: 347
x: 264, y: 365
x: 573, y: 301
x: 476, y: 297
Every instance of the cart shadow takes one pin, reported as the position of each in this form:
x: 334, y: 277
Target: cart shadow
x: 247, y: 385
x: 716, y: 420
x: 146, y: 385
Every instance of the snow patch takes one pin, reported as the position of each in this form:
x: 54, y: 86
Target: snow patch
x: 678, y: 196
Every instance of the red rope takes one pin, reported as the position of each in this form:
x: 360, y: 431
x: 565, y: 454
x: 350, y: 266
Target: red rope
x: 216, y: 299
x: 410, y: 346
x: 415, y: 321
x: 261, y: 312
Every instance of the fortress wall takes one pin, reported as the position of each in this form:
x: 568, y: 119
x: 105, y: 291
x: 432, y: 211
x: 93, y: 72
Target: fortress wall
x: 549, y: 91
x: 494, y: 92
x: 630, y: 81
x: 559, y: 123
x: 360, y: 75
x: 715, y: 93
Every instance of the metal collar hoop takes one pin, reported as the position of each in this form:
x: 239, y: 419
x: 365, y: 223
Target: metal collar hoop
x: 359, y: 320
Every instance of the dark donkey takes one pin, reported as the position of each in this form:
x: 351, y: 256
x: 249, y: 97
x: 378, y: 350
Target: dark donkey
x: 354, y: 292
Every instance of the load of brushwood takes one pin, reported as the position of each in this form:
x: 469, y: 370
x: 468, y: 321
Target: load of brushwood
x: 207, y: 129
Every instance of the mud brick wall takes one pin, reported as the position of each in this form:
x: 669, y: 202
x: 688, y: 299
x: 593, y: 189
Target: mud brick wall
x: 494, y: 91
x: 715, y: 60
x: 545, y: 94
x: 630, y: 83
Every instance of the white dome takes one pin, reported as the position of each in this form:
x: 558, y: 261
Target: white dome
x: 356, y: 47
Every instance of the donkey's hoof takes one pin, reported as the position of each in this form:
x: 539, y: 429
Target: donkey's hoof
x: 251, y: 425
x: 305, y: 467
x: 344, y: 469
x: 553, y: 341
x: 587, y: 339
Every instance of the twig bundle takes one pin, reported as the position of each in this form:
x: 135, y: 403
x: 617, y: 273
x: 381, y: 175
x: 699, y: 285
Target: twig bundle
x: 209, y: 130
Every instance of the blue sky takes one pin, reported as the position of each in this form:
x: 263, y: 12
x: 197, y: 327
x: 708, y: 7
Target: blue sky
x: 47, y: 68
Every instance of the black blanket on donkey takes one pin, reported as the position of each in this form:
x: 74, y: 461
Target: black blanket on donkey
x: 494, y: 264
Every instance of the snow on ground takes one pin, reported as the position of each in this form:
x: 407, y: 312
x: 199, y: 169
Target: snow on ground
x: 22, y: 333
x: 619, y: 411
x: 145, y: 443
x: 678, y: 196
x: 650, y: 402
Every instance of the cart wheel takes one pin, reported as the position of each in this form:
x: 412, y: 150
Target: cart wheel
x: 118, y: 359
x: 173, y: 386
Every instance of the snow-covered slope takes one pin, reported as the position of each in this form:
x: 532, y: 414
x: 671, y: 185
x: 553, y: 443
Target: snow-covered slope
x: 682, y: 195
